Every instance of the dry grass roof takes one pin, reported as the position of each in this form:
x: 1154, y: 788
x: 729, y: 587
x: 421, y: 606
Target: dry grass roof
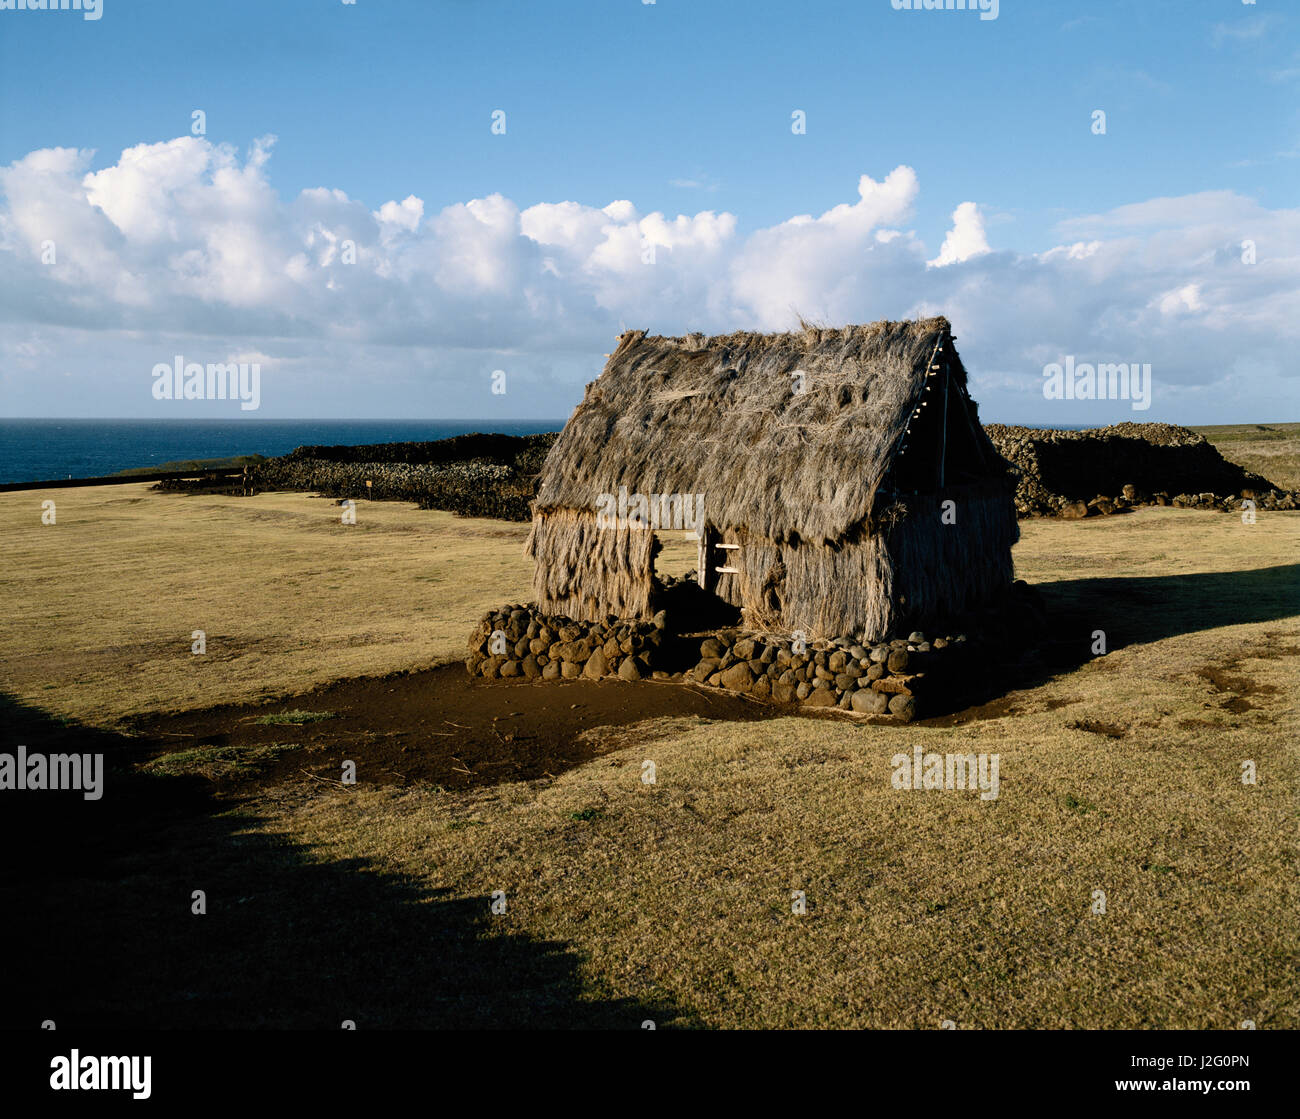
x: 719, y: 416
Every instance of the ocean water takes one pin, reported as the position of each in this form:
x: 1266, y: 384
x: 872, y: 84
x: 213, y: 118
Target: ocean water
x: 46, y: 450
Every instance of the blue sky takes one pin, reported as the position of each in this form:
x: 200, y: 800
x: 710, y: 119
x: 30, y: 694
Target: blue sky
x: 678, y: 109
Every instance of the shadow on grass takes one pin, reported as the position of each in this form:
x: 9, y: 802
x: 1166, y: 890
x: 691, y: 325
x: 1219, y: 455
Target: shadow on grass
x: 98, y: 930
x: 1136, y: 611
x: 1128, y: 611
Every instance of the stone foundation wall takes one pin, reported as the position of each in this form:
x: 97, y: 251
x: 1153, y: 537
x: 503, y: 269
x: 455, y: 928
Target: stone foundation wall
x: 518, y: 641
x: 906, y: 677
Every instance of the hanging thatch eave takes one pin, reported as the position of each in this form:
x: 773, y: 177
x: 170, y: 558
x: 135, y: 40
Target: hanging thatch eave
x: 719, y: 416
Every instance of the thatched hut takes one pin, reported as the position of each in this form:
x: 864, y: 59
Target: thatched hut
x: 840, y: 480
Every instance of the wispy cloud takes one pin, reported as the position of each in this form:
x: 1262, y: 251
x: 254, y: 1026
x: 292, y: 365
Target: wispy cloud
x: 1248, y: 30
x: 695, y: 184
x: 1287, y: 73
x: 1263, y: 161
x: 1117, y: 77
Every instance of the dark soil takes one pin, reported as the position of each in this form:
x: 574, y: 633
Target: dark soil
x: 1235, y: 689
x: 1096, y: 726
x: 994, y: 709
x: 439, y: 727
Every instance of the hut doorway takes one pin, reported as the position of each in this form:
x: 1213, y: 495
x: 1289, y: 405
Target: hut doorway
x: 717, y: 557
x: 693, y: 605
x: 674, y: 555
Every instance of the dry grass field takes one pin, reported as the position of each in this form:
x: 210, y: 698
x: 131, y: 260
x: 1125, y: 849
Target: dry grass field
x: 107, y: 599
x: 1272, y: 450
x: 673, y: 901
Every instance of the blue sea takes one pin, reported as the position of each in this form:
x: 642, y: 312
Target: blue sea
x: 47, y: 450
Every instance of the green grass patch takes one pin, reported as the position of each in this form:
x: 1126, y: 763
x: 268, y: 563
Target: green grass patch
x: 216, y: 761
x: 1075, y: 804
x: 195, y: 464
x: 295, y: 718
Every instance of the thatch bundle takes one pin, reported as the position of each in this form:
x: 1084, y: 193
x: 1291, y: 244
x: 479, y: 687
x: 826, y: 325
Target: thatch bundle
x: 823, y: 454
x: 590, y: 571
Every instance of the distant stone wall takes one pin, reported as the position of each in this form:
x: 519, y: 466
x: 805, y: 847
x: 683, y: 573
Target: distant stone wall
x: 1112, y: 469
x: 473, y: 475
x: 524, y: 453
x: 472, y: 489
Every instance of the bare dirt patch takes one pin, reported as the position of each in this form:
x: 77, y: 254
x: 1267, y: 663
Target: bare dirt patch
x: 1096, y: 726
x: 994, y: 709
x: 1234, y: 688
x: 438, y: 727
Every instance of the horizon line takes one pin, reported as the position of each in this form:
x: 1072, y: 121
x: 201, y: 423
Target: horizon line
x: 244, y: 419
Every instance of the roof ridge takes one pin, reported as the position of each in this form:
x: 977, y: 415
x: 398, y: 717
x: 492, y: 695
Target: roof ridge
x: 697, y: 340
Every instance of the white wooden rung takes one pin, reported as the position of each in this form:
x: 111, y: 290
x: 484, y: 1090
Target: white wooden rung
x: 728, y: 546
x: 728, y: 570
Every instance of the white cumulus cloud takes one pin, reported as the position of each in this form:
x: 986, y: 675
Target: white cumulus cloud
x: 186, y: 242
x: 965, y: 240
